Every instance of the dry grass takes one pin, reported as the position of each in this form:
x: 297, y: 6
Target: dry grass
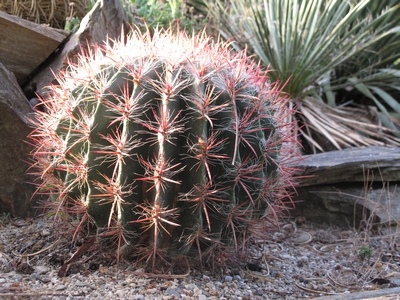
x: 329, y: 128
x: 375, y: 242
x: 50, y: 12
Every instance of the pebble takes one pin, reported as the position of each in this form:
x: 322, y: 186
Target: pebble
x: 228, y: 278
x: 80, y: 283
x: 237, y: 277
x: 45, y: 232
x: 172, y: 292
x: 395, y: 281
x: 41, y: 269
x: 60, y: 287
x: 191, y: 287
x: 282, y: 266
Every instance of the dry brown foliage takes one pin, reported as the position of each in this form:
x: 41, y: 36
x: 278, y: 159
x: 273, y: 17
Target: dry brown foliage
x: 50, y: 12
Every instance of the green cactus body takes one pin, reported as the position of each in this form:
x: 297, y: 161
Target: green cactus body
x: 165, y: 142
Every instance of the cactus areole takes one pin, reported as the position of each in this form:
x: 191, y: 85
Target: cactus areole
x: 165, y: 142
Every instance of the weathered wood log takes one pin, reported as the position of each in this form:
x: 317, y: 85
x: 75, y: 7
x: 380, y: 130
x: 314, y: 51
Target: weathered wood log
x: 25, y: 45
x: 350, y: 165
x: 343, y: 187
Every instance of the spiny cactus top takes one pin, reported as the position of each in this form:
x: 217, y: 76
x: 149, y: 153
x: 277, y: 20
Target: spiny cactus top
x: 168, y: 143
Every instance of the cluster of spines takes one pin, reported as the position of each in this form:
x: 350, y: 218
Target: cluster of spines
x: 166, y: 142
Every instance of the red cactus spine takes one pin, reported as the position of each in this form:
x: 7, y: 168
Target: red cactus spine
x: 165, y: 141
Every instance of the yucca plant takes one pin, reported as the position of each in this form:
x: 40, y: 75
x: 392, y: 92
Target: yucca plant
x: 171, y: 145
x: 330, y: 53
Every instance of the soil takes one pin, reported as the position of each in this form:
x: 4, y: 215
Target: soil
x: 38, y: 260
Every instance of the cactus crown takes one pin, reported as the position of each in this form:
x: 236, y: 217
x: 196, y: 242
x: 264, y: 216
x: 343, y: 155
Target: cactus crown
x: 167, y: 143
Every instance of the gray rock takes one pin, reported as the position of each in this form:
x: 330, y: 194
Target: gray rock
x: 172, y: 292
x: 228, y: 278
x: 45, y: 232
x: 337, y: 187
x: 395, y: 281
x: 41, y: 269
x: 80, y: 283
x: 15, y: 192
x: 60, y: 287
x: 191, y: 287
x: 237, y: 277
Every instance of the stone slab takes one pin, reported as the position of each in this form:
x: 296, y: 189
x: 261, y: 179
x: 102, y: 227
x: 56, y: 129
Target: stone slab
x: 15, y: 190
x: 350, y: 165
x: 25, y: 45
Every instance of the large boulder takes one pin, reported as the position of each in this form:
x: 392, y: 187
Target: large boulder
x: 15, y: 190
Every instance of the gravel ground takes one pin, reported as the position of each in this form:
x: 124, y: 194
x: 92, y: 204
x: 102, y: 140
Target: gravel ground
x: 309, y: 261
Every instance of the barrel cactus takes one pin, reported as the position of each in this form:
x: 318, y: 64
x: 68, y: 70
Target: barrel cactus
x: 170, y: 145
